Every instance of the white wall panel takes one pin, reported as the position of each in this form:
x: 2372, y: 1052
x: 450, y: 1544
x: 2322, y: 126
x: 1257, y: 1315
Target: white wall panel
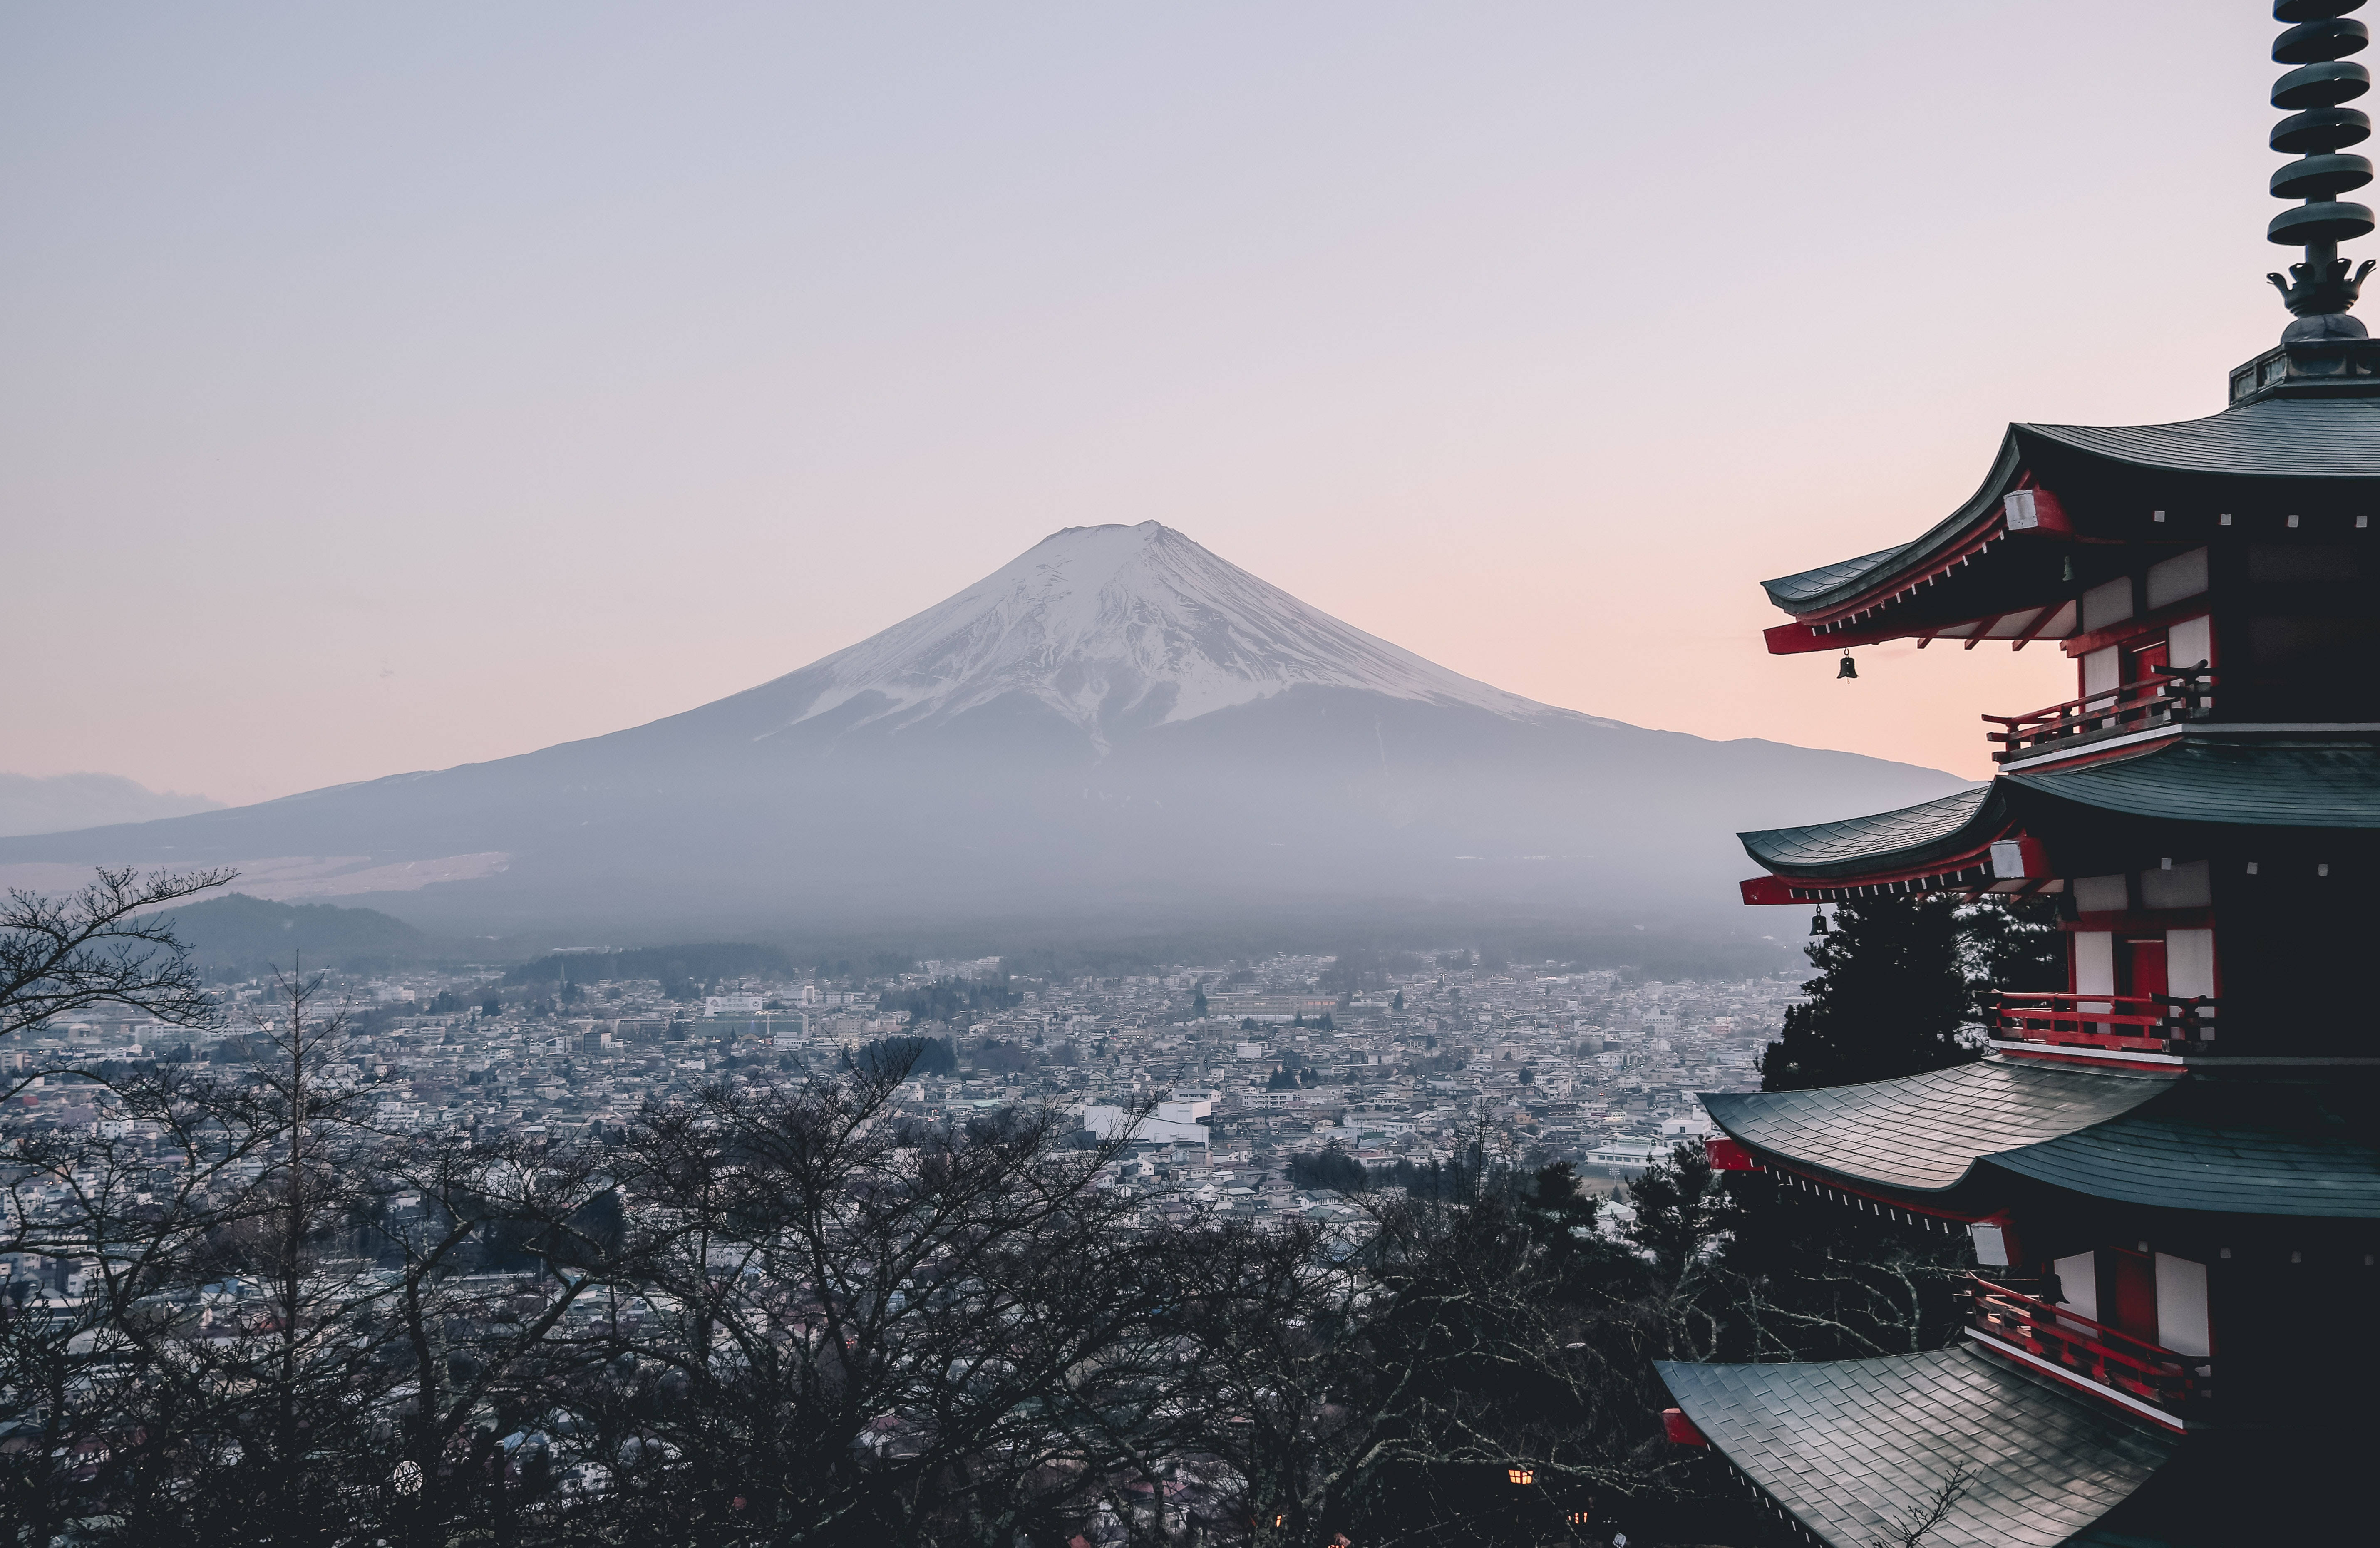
x: 2102, y: 670
x: 2181, y: 1306
x: 2094, y: 963
x: 2111, y: 603
x: 2182, y: 575
x: 2079, y: 1277
x: 2189, y: 961
x: 2103, y: 894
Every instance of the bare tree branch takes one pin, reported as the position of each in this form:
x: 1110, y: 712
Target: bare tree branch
x: 101, y: 947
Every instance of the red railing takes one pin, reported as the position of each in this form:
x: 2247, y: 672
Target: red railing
x: 2133, y: 1023
x: 2091, y: 1352
x: 2164, y: 697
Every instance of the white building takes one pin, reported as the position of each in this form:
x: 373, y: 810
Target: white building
x: 1173, y: 1123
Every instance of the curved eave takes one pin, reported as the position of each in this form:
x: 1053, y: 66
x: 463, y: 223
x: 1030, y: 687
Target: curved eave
x: 2312, y: 786
x: 1833, y: 588
x: 2324, y: 439
x: 2223, y: 1146
x: 1925, y: 1133
x: 1886, y: 845
x: 1881, y: 594
x: 2196, y: 779
x: 1856, y: 1449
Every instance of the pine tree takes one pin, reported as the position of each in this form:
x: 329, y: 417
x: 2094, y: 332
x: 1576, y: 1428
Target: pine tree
x: 1891, y: 997
x: 2011, y: 943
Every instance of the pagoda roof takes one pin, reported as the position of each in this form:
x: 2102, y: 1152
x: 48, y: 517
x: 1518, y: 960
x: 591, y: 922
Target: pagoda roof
x: 1854, y: 1449
x: 2231, y: 1147
x: 2248, y: 784
x: 2279, y: 437
x: 1907, y: 836
x: 2187, y: 778
x: 1962, y: 578
x: 2215, y: 1144
x: 1925, y: 1133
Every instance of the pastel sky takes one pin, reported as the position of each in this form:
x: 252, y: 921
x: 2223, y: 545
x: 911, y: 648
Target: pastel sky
x: 396, y: 386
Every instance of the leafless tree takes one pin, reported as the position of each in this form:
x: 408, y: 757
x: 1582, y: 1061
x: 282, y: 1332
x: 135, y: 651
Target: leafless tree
x: 273, y: 1310
x: 102, y: 946
x: 840, y: 1329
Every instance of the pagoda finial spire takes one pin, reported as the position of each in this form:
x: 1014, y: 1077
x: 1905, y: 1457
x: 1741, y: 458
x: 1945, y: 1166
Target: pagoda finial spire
x: 2321, y: 36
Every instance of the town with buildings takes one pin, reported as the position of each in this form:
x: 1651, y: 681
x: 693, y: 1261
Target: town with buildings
x: 1245, y: 1088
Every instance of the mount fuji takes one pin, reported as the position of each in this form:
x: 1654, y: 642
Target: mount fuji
x: 1117, y: 733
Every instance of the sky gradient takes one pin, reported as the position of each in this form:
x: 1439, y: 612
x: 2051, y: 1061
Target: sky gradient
x: 390, y: 388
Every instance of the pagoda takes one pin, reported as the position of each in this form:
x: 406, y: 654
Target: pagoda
x: 2170, y: 1172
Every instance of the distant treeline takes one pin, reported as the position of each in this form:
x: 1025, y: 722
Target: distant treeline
x: 918, y: 1056
x: 1437, y: 1181
x: 701, y: 963
x: 946, y: 999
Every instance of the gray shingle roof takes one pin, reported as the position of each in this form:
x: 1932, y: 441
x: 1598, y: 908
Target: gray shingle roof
x: 2226, y: 1143
x: 1949, y: 825
x: 2195, y: 779
x: 1813, y: 590
x: 2279, y: 437
x: 1925, y: 1132
x: 1853, y: 1448
x: 1788, y: 589
x: 2264, y: 784
x: 2233, y: 1146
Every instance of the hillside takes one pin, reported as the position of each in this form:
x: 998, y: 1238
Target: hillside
x: 238, y: 932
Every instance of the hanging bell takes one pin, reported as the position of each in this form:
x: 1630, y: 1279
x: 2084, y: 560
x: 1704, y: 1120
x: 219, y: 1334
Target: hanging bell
x: 1848, y: 669
x: 1818, y: 922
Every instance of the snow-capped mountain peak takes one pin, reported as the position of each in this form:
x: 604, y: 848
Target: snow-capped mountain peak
x: 1107, y: 623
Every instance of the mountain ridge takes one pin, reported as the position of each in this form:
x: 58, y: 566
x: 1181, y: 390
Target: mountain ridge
x: 1117, y: 724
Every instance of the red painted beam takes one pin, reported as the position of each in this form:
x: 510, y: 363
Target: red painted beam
x: 1729, y: 1156
x: 1800, y: 639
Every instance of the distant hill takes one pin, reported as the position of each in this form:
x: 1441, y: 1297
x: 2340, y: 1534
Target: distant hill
x: 1117, y: 735
x: 61, y: 803
x: 241, y: 932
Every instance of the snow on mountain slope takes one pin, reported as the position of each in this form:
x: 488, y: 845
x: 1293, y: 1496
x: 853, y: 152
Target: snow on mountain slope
x: 1098, y: 622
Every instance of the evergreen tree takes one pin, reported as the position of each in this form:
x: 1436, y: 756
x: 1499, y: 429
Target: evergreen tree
x: 1891, y: 997
x: 2011, y: 943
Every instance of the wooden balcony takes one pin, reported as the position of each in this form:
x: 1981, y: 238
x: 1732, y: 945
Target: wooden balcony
x: 2165, y: 697
x: 2091, y: 1353
x: 2120, y: 1023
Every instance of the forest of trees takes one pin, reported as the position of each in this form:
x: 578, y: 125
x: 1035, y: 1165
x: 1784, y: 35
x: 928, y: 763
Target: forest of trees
x: 764, y: 1315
